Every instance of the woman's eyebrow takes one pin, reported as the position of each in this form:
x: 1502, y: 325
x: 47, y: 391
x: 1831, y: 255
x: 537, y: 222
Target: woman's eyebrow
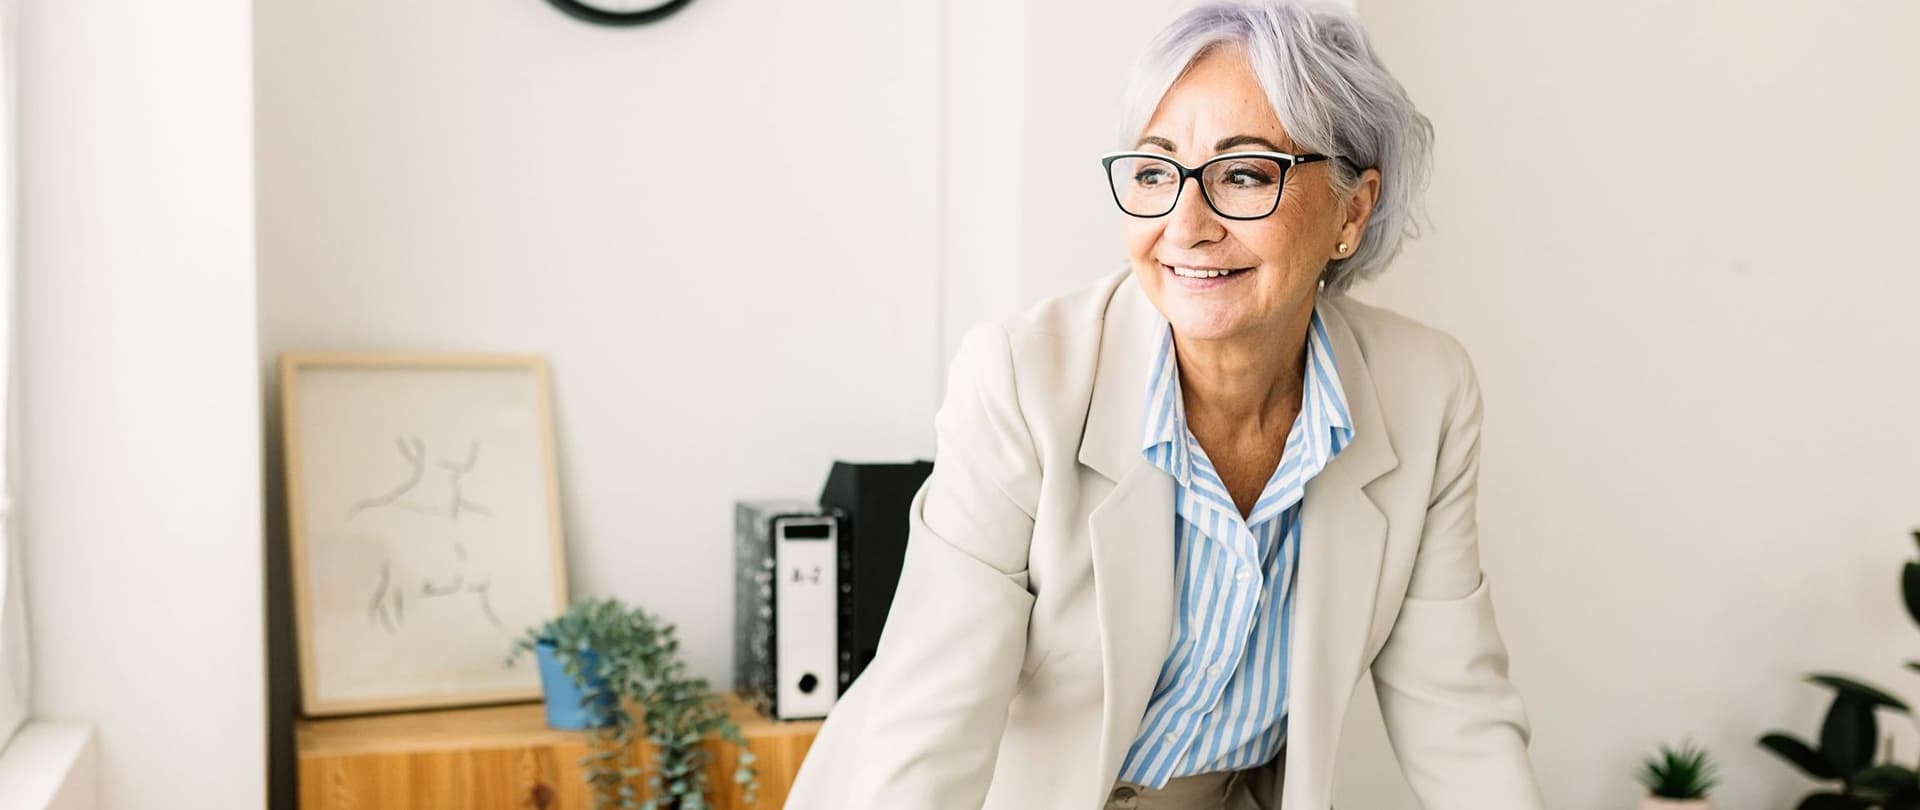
x: 1242, y: 140
x: 1225, y: 143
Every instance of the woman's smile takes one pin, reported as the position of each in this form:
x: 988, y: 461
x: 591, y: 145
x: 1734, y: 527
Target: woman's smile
x: 1201, y: 280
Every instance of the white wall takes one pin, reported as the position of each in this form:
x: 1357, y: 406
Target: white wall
x: 140, y: 497
x: 1675, y: 238
x: 722, y: 230
x: 984, y: 154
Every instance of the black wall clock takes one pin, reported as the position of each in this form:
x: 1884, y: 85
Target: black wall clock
x: 619, y: 12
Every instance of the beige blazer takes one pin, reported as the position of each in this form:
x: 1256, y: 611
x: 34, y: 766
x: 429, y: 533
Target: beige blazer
x: 1036, y: 602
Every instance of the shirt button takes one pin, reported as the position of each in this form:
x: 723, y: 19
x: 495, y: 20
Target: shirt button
x: 1242, y: 576
x: 1170, y: 739
x: 1213, y: 671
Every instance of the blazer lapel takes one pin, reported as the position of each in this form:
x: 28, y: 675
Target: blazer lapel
x: 1132, y: 535
x: 1131, y: 530
x: 1342, y: 545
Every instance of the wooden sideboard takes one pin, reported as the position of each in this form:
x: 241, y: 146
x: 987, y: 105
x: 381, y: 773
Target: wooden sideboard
x: 502, y: 758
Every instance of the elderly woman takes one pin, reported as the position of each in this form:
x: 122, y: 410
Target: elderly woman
x: 1174, y: 517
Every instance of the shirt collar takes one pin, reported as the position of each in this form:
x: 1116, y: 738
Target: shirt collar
x: 1164, y: 432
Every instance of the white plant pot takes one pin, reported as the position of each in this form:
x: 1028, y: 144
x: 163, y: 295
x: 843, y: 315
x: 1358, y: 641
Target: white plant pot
x: 1655, y: 803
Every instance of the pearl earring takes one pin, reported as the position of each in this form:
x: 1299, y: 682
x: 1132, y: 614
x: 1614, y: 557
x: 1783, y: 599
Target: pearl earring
x: 1343, y: 247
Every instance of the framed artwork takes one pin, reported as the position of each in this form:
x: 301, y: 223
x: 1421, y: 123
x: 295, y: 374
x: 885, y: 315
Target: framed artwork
x: 425, y: 526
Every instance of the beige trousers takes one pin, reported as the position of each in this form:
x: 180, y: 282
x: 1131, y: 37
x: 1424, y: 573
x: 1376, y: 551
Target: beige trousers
x: 1223, y: 790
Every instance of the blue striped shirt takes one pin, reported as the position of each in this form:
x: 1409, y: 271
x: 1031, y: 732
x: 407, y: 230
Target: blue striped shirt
x: 1220, y: 702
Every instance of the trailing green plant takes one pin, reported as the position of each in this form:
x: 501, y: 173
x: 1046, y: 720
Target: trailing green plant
x: 1850, y: 737
x: 1679, y: 773
x: 618, y: 655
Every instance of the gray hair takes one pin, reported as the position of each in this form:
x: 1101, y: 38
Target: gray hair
x: 1331, y: 93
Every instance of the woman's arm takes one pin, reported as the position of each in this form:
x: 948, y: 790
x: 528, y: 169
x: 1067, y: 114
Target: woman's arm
x: 1455, y: 720
x: 945, y: 669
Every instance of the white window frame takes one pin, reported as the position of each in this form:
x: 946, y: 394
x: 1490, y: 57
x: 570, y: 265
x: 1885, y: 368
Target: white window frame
x: 15, y: 671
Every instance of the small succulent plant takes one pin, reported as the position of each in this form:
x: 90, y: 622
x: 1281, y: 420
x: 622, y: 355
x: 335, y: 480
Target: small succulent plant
x: 1679, y: 773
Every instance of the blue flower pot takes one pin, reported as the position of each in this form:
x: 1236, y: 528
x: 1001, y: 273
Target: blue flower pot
x: 566, y: 703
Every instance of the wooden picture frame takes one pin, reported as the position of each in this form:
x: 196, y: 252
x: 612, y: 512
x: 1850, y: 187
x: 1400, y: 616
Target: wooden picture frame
x: 423, y: 500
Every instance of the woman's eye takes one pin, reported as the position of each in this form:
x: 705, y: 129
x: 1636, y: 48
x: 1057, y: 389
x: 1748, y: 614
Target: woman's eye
x: 1249, y: 177
x: 1150, y: 177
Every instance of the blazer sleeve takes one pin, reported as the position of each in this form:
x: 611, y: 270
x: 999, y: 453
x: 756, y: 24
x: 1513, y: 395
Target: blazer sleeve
x: 1456, y: 722
x: 937, y: 691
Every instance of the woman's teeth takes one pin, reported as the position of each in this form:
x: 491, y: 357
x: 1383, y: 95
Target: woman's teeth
x: 1188, y: 272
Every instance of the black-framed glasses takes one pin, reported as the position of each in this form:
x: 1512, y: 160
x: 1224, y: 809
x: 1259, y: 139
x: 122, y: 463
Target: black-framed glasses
x: 1236, y: 185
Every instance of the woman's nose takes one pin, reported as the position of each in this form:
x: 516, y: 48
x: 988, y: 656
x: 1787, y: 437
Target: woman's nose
x: 1191, y: 221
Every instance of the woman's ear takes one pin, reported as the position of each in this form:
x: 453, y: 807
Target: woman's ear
x: 1359, y: 208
